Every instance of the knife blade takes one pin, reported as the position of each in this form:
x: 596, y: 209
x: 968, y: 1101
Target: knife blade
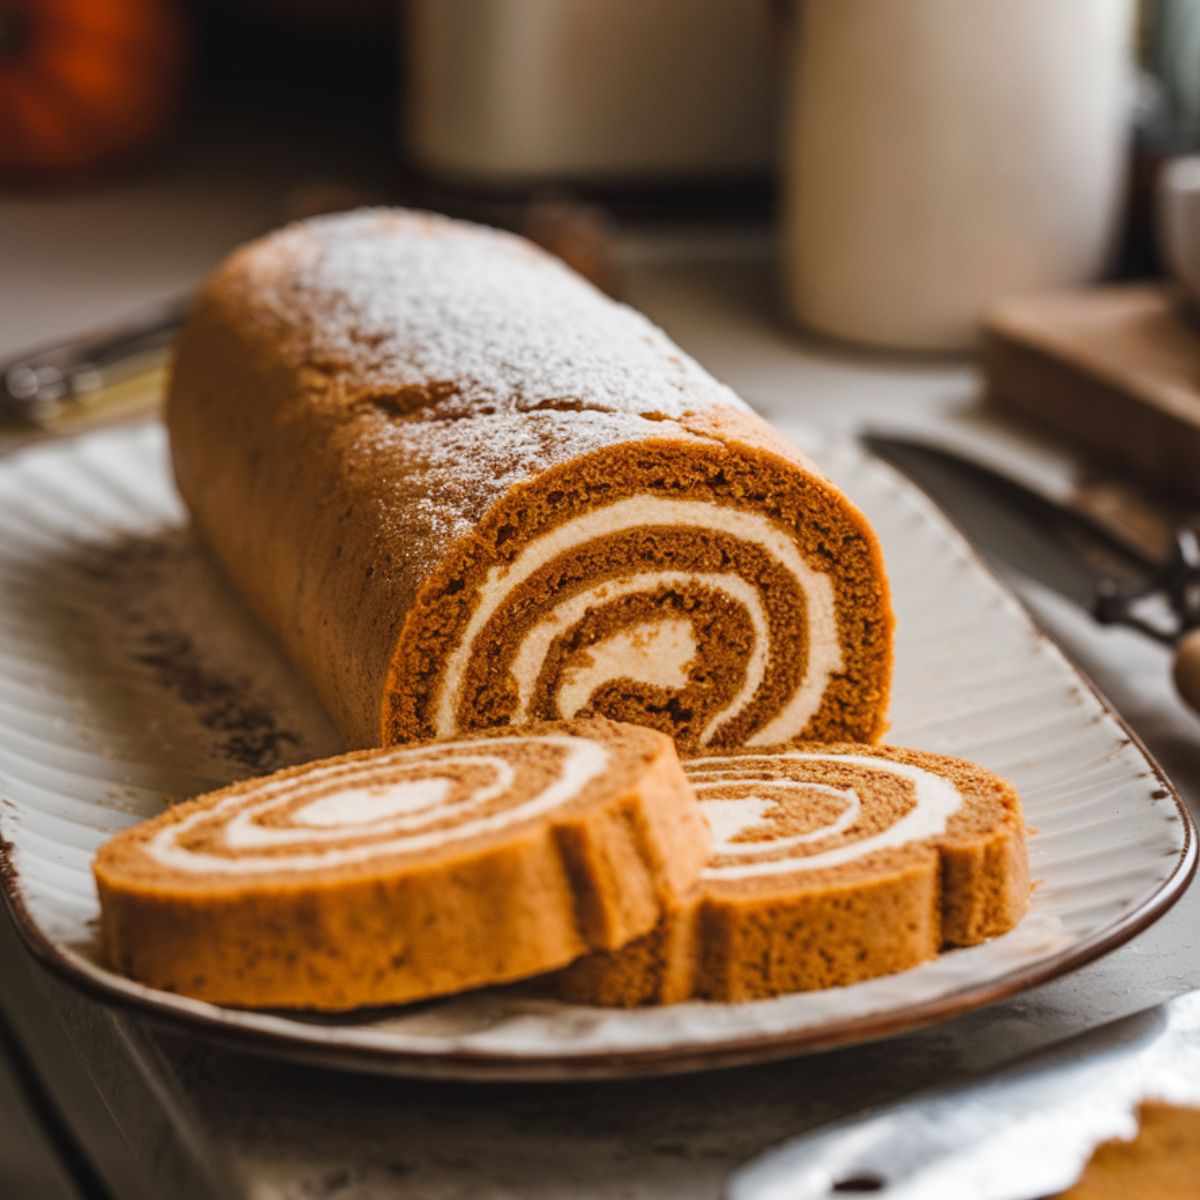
x: 1116, y: 557
x: 1022, y: 1133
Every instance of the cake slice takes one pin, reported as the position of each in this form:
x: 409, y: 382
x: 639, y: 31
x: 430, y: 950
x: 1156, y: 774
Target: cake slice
x: 831, y: 864
x: 388, y: 876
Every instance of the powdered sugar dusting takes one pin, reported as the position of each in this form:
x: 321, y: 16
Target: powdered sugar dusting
x: 454, y: 469
x: 428, y: 314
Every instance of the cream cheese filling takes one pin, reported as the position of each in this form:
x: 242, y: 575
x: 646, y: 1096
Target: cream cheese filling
x: 388, y: 818
x: 640, y: 660
x: 654, y: 652
x: 936, y: 800
x: 369, y: 805
x: 643, y: 511
x: 730, y: 818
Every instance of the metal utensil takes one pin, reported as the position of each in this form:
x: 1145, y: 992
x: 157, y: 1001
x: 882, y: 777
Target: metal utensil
x: 84, y: 373
x: 1143, y: 574
x: 1023, y: 1133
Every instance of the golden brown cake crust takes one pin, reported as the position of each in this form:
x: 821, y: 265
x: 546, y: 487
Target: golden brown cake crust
x: 371, y: 413
x: 394, y: 875
x: 1161, y: 1163
x: 831, y: 864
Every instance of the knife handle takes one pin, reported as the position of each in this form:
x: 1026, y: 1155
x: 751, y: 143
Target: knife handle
x: 1186, y: 669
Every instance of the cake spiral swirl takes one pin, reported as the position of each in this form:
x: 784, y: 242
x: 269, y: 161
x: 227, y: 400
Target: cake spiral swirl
x: 362, y: 809
x: 646, y: 632
x: 756, y: 803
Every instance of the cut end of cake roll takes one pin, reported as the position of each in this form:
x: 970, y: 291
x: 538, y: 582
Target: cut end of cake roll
x: 699, y: 579
x: 830, y: 865
x: 466, y: 489
x: 396, y: 875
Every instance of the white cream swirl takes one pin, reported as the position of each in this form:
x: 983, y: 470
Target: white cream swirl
x: 936, y: 799
x: 357, y: 818
x: 641, y: 659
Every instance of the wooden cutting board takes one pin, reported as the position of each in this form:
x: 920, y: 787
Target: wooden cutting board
x: 1116, y: 369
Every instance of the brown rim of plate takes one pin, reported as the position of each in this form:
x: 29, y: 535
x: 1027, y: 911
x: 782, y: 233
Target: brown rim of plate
x: 223, y: 1025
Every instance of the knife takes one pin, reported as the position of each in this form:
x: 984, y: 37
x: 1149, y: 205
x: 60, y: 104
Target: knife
x: 119, y: 364
x: 1123, y: 560
x: 1022, y: 1133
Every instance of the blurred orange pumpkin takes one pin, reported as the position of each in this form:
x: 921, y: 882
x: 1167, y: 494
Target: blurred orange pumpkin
x: 85, y: 83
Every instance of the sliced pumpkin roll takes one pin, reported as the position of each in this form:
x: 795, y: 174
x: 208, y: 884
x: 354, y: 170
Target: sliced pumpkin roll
x: 830, y: 865
x: 464, y: 489
x: 398, y: 874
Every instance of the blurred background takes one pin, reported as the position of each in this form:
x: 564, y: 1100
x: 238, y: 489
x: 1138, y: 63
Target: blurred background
x: 914, y: 160
x: 844, y: 121
x: 903, y: 166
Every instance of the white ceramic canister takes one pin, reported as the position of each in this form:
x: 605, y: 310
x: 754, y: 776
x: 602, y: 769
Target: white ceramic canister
x: 941, y: 153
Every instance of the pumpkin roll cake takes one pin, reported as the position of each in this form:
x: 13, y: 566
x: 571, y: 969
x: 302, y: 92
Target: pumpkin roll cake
x: 463, y: 488
x: 831, y: 864
x: 397, y: 874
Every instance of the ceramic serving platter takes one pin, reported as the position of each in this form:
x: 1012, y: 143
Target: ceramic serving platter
x: 130, y: 675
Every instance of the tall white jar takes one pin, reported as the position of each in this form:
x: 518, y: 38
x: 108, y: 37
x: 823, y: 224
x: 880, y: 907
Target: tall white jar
x: 941, y: 153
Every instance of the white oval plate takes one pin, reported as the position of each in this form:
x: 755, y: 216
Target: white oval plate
x: 129, y: 674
